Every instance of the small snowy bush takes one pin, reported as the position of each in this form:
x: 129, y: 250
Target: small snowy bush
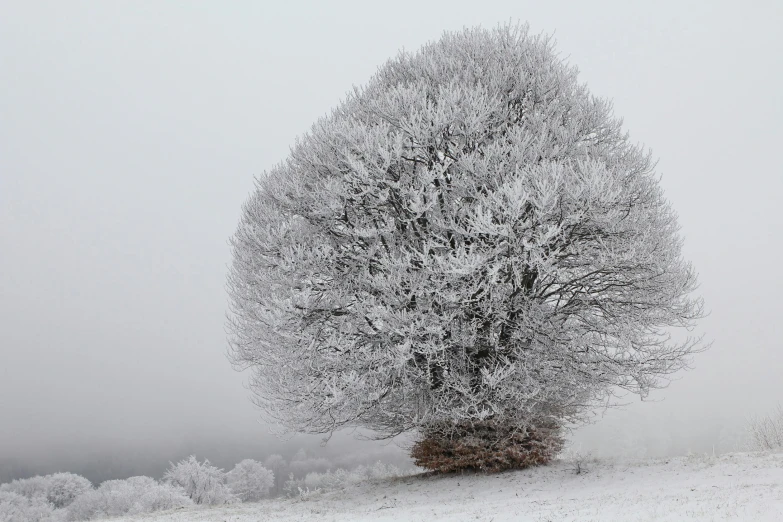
x: 766, y: 433
x: 488, y: 446
x: 377, y: 471
x: 88, y: 506
x: 278, y: 465
x: 160, y: 498
x: 132, y: 496
x: 578, y: 461
x: 250, y: 480
x: 202, y: 482
x: 19, y: 508
x: 30, y: 487
x: 59, y: 489
x: 329, y: 481
x: 340, y: 478
x: 65, y: 487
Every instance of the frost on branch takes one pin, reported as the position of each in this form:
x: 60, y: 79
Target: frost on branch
x: 202, y: 482
x: 469, y: 240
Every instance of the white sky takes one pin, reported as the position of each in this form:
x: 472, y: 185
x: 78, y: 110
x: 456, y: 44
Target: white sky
x: 130, y: 133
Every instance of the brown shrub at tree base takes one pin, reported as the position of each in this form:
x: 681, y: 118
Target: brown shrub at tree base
x: 487, y: 446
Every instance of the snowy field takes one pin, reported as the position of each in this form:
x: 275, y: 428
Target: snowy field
x: 738, y: 486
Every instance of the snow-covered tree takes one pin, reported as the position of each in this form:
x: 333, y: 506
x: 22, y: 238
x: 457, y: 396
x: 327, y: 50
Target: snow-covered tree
x: 15, y: 507
x: 469, y: 246
x: 279, y: 467
x: 135, y: 495
x: 65, y: 487
x: 250, y: 480
x: 203, y: 483
x: 59, y: 489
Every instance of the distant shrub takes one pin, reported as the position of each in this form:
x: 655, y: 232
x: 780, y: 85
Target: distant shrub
x: 301, y: 465
x: 91, y: 505
x: 132, y: 496
x: 19, y: 508
x: 329, y: 481
x: 30, y: 487
x: 160, y: 498
x: 250, y: 480
x: 65, y: 487
x: 59, y: 489
x: 340, y: 478
x: 202, y: 482
x: 278, y: 465
x: 579, y: 462
x: 766, y: 433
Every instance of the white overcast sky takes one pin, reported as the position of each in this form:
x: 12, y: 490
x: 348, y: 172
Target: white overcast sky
x: 130, y: 132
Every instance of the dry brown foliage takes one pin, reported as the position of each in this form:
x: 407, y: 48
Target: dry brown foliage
x: 487, y: 446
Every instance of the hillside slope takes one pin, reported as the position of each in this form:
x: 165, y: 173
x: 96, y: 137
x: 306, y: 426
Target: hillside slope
x: 738, y: 486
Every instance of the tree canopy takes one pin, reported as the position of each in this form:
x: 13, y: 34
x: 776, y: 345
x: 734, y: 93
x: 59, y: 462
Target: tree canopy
x: 470, y: 236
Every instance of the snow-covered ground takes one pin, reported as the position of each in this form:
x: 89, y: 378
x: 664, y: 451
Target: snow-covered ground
x: 738, y: 486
